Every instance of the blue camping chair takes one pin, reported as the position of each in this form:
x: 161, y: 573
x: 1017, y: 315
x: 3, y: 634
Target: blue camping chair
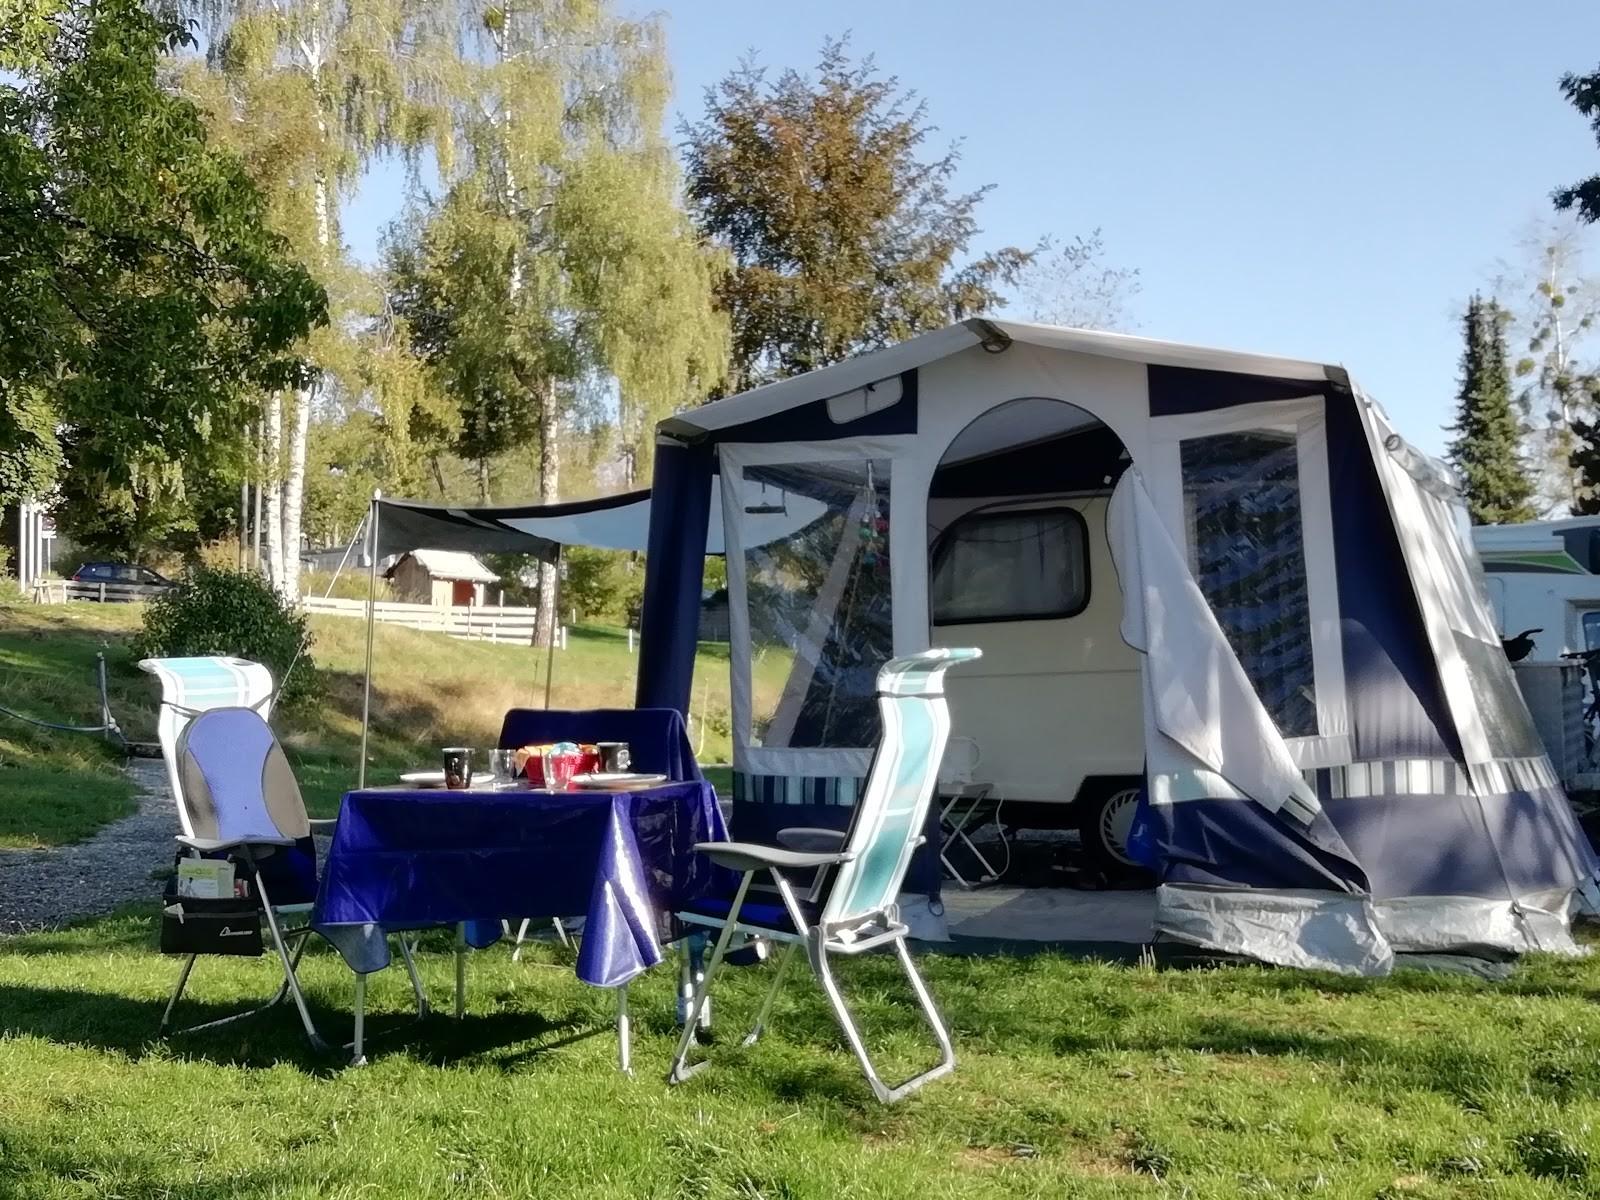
x: 239, y: 799
x: 853, y: 910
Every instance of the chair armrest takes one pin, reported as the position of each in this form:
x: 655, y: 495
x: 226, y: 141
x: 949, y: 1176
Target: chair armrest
x: 751, y: 856
x: 323, y: 824
x: 212, y: 845
x: 812, y: 840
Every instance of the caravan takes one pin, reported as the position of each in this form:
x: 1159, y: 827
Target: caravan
x: 1218, y: 580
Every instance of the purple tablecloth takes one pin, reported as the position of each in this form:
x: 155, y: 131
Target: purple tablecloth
x: 419, y: 859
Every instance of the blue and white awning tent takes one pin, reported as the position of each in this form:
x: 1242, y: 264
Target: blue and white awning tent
x: 1340, y: 767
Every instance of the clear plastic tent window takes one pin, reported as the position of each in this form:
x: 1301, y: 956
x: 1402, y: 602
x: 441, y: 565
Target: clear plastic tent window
x: 1242, y: 501
x: 820, y: 607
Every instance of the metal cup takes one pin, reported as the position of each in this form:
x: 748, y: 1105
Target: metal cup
x: 615, y: 757
x: 457, y: 767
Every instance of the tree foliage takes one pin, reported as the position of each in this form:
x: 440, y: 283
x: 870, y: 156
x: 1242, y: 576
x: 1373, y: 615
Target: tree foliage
x: 1556, y: 309
x: 1583, y: 93
x: 844, y: 235
x: 1487, y: 448
x: 1071, y: 284
x: 147, y: 303
x: 558, y: 251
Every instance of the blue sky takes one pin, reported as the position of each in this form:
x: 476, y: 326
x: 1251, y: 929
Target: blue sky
x: 1325, y: 181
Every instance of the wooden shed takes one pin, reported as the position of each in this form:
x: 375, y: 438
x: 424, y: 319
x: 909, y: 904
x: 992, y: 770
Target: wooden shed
x: 444, y: 578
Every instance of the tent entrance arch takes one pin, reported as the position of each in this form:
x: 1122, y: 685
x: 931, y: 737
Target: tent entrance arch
x: 1020, y: 565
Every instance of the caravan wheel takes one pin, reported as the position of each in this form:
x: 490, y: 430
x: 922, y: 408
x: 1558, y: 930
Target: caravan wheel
x: 1106, y: 809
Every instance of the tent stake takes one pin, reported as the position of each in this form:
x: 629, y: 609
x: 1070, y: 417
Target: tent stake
x: 372, y: 599
x: 555, y: 616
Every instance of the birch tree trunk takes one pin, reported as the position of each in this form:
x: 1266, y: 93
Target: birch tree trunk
x: 549, y: 492
x: 294, y: 491
x: 271, y: 484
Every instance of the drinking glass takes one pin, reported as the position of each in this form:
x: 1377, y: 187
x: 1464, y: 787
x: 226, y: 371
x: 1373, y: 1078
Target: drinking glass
x: 503, y: 766
x: 457, y: 767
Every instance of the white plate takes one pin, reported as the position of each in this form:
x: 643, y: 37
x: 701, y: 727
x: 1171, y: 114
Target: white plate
x: 423, y: 779
x: 616, y: 781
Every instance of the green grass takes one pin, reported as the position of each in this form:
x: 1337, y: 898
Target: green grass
x: 429, y: 691
x: 1075, y: 1079
x: 58, y: 787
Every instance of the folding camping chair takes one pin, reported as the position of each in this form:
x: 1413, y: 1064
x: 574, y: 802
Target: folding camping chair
x: 189, y: 687
x: 854, y: 910
x: 238, y: 798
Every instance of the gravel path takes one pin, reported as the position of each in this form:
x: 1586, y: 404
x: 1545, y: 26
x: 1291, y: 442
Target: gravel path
x: 43, y: 889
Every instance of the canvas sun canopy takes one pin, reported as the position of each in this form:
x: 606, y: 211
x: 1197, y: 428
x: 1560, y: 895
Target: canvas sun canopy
x: 606, y: 523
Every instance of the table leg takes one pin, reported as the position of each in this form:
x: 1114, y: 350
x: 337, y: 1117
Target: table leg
x: 357, y: 1058
x: 624, y: 1033
x: 461, y: 970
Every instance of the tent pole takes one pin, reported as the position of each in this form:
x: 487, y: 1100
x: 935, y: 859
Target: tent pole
x: 372, y: 600
x: 555, y: 621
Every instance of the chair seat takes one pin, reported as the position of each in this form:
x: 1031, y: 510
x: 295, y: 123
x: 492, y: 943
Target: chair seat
x: 756, y: 911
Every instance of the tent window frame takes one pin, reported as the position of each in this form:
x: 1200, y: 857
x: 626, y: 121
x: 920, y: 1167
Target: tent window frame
x: 1305, y: 420
x: 947, y: 539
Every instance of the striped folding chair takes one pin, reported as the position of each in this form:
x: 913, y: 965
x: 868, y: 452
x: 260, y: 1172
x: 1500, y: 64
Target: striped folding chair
x: 854, y: 908
x: 190, y: 686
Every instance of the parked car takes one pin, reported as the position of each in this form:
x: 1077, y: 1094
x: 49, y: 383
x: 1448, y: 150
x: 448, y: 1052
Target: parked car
x: 121, y: 575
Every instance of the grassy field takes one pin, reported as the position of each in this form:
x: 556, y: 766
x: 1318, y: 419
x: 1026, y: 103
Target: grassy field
x: 1075, y: 1079
x: 59, y: 787
x: 429, y: 691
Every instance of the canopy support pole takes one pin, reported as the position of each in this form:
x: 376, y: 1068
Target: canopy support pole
x: 372, y: 601
x: 555, y: 628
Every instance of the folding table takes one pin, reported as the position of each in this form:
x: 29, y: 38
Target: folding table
x: 404, y: 859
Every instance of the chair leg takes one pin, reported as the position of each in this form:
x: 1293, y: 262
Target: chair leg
x: 275, y: 1000
x: 681, y: 1068
x: 755, y: 1033
x: 408, y: 953
x: 289, y: 965
x: 183, y: 982
x: 886, y: 1093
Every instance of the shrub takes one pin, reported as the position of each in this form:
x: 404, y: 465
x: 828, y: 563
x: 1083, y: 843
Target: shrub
x: 232, y: 613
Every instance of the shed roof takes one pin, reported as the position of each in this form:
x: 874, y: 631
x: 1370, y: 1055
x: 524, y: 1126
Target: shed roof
x: 453, y: 565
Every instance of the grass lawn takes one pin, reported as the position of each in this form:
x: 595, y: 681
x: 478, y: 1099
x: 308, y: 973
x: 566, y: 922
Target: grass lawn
x: 59, y: 787
x: 429, y: 691
x: 1075, y: 1079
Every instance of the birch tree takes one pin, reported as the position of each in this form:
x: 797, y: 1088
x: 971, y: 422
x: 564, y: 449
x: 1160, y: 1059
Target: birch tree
x: 557, y: 252
x: 309, y: 91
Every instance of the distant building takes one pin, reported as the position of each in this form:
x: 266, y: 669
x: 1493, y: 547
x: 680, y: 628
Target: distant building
x: 446, y: 578
x: 714, y: 616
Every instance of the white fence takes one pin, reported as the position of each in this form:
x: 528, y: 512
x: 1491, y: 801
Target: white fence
x: 488, y: 622
x: 59, y: 591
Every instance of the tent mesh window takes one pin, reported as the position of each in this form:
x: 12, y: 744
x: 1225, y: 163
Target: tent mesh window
x: 1242, y: 500
x: 820, y: 605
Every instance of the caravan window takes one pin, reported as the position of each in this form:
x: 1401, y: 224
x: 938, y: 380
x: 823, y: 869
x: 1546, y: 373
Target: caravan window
x: 1242, y: 502
x: 1011, y: 566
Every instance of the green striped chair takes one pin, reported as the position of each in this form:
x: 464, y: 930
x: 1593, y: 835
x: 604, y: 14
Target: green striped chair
x: 854, y: 910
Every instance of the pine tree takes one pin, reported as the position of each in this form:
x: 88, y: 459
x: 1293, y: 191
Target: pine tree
x: 1486, y: 449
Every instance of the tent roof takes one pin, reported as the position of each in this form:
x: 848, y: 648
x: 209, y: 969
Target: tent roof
x: 865, y: 369
x: 454, y: 565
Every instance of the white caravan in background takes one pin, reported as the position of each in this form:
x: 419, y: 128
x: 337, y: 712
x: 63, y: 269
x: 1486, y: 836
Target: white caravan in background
x: 1545, y: 576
